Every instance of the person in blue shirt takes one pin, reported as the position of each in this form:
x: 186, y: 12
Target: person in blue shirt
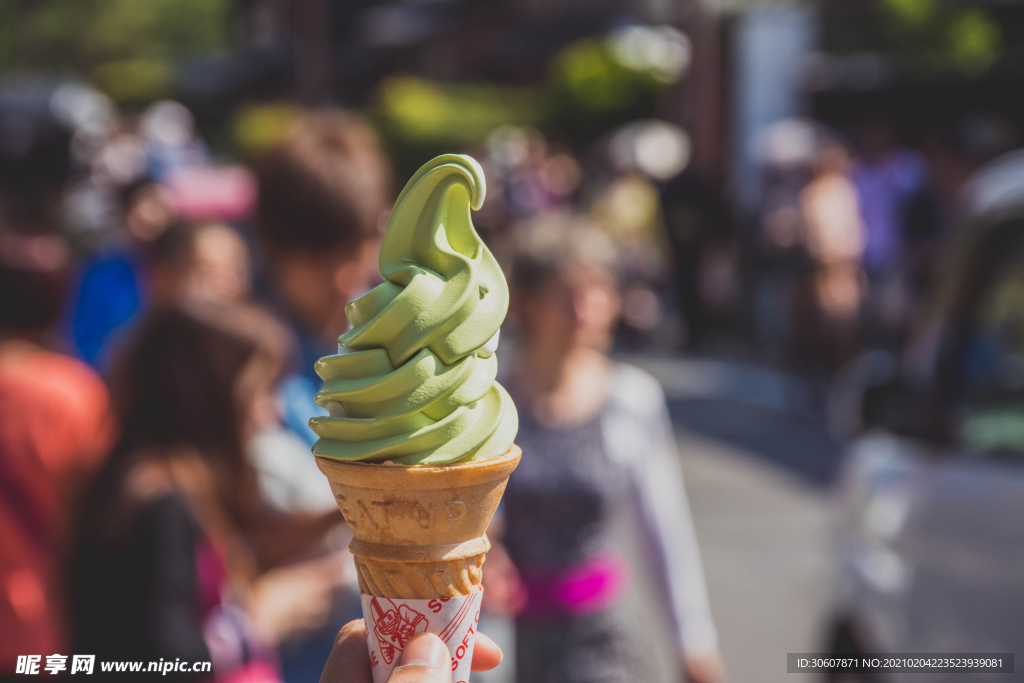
x: 324, y: 193
x: 111, y: 289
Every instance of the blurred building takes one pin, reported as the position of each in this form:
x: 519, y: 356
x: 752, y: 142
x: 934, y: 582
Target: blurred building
x: 921, y: 66
x: 338, y: 51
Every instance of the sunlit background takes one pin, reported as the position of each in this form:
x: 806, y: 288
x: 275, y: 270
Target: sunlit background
x: 816, y: 210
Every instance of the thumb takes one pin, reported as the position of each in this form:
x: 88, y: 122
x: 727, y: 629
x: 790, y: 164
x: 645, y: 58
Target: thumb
x: 425, y: 659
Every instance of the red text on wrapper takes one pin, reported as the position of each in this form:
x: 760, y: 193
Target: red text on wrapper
x: 463, y: 647
x: 436, y: 604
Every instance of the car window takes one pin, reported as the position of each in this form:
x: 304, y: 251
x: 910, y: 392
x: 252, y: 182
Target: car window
x: 993, y: 365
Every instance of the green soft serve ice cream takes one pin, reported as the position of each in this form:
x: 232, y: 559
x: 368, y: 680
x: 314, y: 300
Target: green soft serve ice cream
x: 413, y: 382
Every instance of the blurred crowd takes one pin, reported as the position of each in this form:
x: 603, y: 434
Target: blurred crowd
x: 172, y: 508
x: 853, y: 230
x: 161, y: 313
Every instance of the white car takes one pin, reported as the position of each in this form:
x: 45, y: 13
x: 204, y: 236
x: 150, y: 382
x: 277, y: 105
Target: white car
x: 931, y: 530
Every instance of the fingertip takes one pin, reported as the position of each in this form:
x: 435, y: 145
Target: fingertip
x: 486, y: 654
x: 353, y: 629
x: 348, y: 660
x: 425, y: 649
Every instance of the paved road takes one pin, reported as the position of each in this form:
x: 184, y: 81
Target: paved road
x: 764, y: 539
x: 758, y: 466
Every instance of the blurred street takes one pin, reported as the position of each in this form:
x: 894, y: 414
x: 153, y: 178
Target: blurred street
x: 796, y: 228
x: 762, y: 524
x: 754, y: 464
x: 764, y: 540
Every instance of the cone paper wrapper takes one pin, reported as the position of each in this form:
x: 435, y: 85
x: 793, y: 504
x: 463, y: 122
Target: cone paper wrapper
x: 391, y: 622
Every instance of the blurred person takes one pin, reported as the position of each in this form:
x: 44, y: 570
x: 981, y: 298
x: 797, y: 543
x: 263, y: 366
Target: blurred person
x: 216, y: 265
x: 526, y: 174
x: 834, y: 239
x: 953, y: 153
x: 205, y: 261
x: 778, y: 261
x: 110, y: 291
x: 210, y: 262
x: 172, y: 543
x: 324, y: 193
x: 601, y: 451
x: 644, y: 175
x: 627, y: 209
x: 886, y: 175
x: 536, y: 176
x: 695, y: 217
x: 55, y: 428
x: 34, y: 152
x: 201, y: 261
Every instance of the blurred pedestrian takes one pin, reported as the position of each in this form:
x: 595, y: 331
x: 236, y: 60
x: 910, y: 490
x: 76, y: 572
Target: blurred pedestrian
x: 834, y: 239
x: 628, y: 211
x: 111, y: 290
x: 172, y: 542
x: 601, y: 452
x: 202, y: 261
x: 887, y: 175
x: 324, y: 193
x: 695, y: 217
x: 777, y: 257
x: 55, y: 428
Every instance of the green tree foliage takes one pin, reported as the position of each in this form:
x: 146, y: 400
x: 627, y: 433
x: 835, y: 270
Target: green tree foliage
x: 966, y: 34
x: 935, y: 29
x: 587, y: 92
x: 913, y: 12
x: 974, y: 38
x: 419, y: 109
x: 77, y: 36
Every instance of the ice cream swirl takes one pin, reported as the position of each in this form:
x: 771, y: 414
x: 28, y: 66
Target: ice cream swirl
x: 413, y: 382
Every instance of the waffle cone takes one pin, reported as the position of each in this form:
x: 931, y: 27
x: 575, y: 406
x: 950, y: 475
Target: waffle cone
x: 419, y: 532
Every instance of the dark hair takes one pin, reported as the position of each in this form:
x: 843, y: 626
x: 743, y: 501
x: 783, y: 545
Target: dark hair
x: 173, y: 246
x: 33, y: 275
x: 554, y: 243
x: 129, y: 193
x: 175, y: 389
x: 324, y: 187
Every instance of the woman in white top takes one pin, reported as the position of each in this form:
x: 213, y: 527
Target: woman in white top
x: 598, y: 450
